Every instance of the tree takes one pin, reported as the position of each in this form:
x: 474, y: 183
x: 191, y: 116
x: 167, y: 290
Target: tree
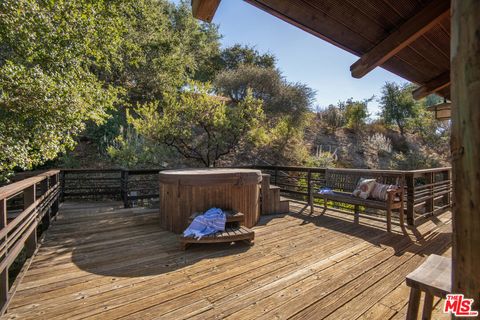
x: 236, y: 55
x: 198, y: 124
x: 332, y: 116
x: 280, y: 98
x: 397, y: 105
x: 47, y: 89
x: 231, y: 58
x: 287, y: 106
x: 355, y: 112
x: 162, y: 47
x: 434, y: 133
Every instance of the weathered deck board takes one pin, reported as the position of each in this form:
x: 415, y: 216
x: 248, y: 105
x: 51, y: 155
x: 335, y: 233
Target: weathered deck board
x: 100, y: 261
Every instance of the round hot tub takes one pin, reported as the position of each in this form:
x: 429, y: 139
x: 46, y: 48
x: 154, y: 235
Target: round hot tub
x: 183, y: 192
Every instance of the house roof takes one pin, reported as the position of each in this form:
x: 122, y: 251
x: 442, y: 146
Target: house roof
x: 410, y: 38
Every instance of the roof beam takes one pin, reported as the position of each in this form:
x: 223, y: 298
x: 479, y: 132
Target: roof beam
x: 404, y: 35
x: 204, y: 9
x: 436, y: 84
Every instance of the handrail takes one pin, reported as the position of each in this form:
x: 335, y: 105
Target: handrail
x: 16, y: 187
x: 427, y: 191
x: 18, y: 228
x: 128, y: 185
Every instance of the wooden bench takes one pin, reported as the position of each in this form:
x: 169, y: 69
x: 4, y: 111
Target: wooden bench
x: 434, y: 278
x: 344, y: 181
x: 234, y: 231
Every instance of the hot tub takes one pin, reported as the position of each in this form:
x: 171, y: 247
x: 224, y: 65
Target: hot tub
x: 183, y: 192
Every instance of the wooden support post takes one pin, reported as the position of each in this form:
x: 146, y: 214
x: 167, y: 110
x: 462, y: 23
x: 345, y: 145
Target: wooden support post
x: 310, y: 190
x: 410, y: 198
x: 29, y: 196
x: 54, y: 208
x: 46, y: 219
x: 356, y: 217
x: 124, y: 186
x: 275, y: 177
x: 62, y: 186
x: 429, y: 203
x: 465, y: 147
x: 447, y: 176
x: 3, y: 273
x: 56, y: 202
x: 31, y: 243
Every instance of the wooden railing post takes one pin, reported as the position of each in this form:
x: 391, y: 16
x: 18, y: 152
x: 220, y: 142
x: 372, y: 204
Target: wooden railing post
x: 310, y: 190
x: 55, y: 204
x: 124, y: 186
x: 62, y: 186
x: 447, y: 176
x: 29, y: 197
x: 429, y: 203
x: 410, y: 182
x: 45, y: 186
x: 3, y: 273
x: 275, y: 177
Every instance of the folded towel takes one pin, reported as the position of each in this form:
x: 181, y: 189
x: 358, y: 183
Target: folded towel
x: 212, y: 221
x: 325, y: 191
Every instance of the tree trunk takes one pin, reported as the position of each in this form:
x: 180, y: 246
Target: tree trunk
x: 465, y: 75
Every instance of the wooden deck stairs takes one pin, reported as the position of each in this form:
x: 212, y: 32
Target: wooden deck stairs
x: 234, y: 231
x: 271, y: 201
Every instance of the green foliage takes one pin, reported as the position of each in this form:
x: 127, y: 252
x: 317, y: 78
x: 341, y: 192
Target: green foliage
x: 434, y: 134
x: 64, y: 63
x: 356, y: 112
x: 42, y: 113
x: 47, y: 89
x: 162, y: 47
x: 279, y: 96
x: 397, y: 105
x: 332, y: 117
x: 232, y: 58
x: 236, y: 55
x: 415, y: 160
x: 322, y: 160
x: 286, y: 143
x: 131, y: 150
x: 198, y: 124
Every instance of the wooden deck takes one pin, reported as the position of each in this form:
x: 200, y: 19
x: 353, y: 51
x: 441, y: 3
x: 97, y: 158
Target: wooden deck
x: 99, y: 261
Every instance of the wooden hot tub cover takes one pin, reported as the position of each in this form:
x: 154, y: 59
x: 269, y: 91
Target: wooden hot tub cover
x: 206, y: 177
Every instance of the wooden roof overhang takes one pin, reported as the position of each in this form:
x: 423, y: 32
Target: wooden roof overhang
x: 410, y: 38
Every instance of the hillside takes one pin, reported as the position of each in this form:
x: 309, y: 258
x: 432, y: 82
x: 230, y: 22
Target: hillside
x: 368, y: 148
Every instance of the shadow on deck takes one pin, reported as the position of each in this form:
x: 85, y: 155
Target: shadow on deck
x: 102, y: 261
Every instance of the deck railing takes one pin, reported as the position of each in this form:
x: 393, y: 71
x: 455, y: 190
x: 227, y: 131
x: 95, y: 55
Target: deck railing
x: 24, y: 206
x: 427, y: 192
x: 130, y: 186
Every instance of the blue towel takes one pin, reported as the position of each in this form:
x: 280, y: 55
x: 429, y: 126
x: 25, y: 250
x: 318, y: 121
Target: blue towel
x: 325, y: 191
x: 212, y: 221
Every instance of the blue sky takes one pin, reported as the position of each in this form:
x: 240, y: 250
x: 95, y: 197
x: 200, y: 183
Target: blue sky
x: 300, y: 56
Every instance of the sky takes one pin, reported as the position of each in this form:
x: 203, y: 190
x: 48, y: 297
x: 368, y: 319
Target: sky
x: 301, y: 56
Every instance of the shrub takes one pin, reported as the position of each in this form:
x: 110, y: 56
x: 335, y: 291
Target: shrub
x: 332, y: 117
x: 380, y: 143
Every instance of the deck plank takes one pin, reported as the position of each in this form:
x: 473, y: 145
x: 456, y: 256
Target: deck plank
x: 100, y: 261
